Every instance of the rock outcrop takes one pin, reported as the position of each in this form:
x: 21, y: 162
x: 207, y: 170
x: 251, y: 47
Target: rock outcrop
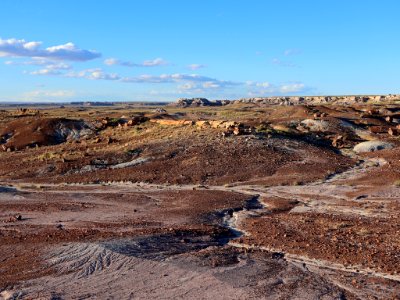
x: 371, y: 146
x: 33, y: 132
x: 291, y: 100
x: 316, y: 100
x: 195, y: 102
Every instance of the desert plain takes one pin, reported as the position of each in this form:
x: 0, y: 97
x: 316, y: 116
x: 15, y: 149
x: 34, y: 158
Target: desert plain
x: 275, y: 198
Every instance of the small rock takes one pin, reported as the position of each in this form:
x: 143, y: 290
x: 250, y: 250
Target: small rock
x: 278, y: 255
x: 371, y: 146
x: 15, y: 218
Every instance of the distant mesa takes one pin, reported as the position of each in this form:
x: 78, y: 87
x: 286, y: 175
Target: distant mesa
x: 317, y: 100
x: 290, y: 100
x: 93, y: 103
x: 196, y: 102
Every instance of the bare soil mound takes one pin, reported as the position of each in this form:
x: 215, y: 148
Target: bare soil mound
x: 31, y: 132
x: 196, y: 160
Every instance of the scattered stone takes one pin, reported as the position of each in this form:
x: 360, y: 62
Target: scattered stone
x: 110, y: 140
x: 378, y: 129
x: 278, y: 255
x: 339, y: 141
x: 393, y: 131
x: 315, y: 125
x: 15, y: 218
x: 371, y: 146
x: 160, y: 110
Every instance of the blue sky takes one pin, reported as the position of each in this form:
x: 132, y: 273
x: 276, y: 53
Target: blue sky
x: 162, y: 50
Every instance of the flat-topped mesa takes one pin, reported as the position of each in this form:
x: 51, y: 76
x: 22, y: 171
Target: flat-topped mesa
x: 195, y: 102
x: 274, y: 100
x: 340, y: 100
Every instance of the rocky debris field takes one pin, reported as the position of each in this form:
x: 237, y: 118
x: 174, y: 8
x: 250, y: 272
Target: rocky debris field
x: 259, y: 201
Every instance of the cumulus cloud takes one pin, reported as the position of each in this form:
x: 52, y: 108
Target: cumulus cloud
x: 277, y: 61
x: 186, y: 83
x: 191, y: 80
x: 48, y: 64
x: 264, y: 84
x: 93, y: 74
x: 266, y: 88
x: 168, y: 78
x: 154, y: 62
x: 147, y: 63
x: 292, y: 88
x: 58, y: 66
x: 49, y: 67
x: 112, y: 61
x: 196, y: 66
x: 202, y: 86
x: 189, y: 84
x: 46, y: 72
x: 288, y: 52
x: 22, y: 48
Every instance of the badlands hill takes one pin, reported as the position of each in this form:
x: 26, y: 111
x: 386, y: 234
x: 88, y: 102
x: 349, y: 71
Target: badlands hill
x: 293, y: 100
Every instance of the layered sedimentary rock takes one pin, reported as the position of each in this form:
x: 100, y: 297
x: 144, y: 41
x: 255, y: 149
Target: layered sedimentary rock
x: 291, y: 100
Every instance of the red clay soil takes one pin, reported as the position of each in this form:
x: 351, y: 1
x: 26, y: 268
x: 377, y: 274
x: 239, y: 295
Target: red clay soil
x: 194, y: 160
x: 134, y: 214
x: 386, y: 175
x: 362, y: 241
x: 32, y: 131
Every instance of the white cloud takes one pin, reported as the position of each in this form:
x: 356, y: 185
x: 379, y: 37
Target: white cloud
x: 48, y: 64
x: 58, y: 66
x: 154, y: 62
x: 266, y: 88
x: 111, y: 61
x: 49, y: 67
x: 288, y: 52
x: 292, y: 88
x: 147, y: 63
x: 264, y: 84
x: 202, y: 86
x: 277, y: 61
x: 93, y: 74
x: 169, y: 78
x: 211, y: 85
x: 196, y: 66
x: 187, y: 86
x: 45, y: 72
x: 22, y: 48
x: 187, y: 83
